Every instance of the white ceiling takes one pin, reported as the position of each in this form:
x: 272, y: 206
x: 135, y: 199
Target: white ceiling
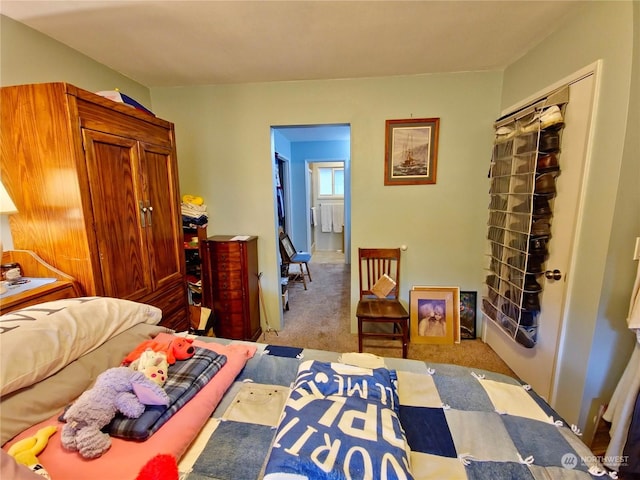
x: 181, y: 43
x: 207, y: 42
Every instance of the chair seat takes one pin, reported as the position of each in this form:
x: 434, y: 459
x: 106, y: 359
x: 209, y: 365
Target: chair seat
x: 302, y: 257
x: 381, y: 308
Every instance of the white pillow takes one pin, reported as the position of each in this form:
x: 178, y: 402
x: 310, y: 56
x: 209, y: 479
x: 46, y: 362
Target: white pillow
x: 39, y: 340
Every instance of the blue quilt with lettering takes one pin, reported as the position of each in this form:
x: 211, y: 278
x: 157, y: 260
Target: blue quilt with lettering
x: 309, y: 418
x: 339, y: 422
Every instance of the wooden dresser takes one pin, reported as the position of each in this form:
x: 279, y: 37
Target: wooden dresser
x: 33, y: 266
x: 96, y: 187
x: 230, y: 286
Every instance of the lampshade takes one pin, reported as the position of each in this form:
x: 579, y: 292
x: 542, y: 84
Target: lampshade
x: 6, y: 204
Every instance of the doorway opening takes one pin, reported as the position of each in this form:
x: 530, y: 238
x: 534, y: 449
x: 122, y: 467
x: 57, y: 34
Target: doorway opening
x: 326, y: 226
x: 311, y: 162
x: 312, y: 194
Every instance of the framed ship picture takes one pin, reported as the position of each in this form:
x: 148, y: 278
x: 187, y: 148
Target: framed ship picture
x: 411, y: 151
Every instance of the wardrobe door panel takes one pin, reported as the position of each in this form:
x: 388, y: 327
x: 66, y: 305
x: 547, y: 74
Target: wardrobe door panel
x: 162, y: 215
x: 113, y: 168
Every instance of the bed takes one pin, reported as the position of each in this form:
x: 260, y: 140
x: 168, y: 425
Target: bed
x: 280, y: 412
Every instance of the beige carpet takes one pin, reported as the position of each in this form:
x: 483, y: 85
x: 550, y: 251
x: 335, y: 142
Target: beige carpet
x: 319, y: 318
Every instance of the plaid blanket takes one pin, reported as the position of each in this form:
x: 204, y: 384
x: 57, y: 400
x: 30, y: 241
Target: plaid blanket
x: 185, y: 379
x: 460, y: 424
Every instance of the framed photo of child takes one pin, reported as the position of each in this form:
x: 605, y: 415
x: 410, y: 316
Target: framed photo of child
x: 434, y: 315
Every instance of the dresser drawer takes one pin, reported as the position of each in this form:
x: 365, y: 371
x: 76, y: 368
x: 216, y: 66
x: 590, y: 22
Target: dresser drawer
x: 230, y: 326
x: 177, y: 321
x: 47, y: 293
x: 224, y: 253
x: 228, y: 266
x: 174, y: 308
x: 222, y: 247
x: 225, y: 306
x: 236, y: 294
x: 227, y: 281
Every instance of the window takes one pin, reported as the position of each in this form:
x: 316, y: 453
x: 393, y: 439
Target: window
x: 331, y: 181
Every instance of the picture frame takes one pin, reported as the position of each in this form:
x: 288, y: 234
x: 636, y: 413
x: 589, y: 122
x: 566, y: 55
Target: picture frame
x: 411, y: 151
x: 434, y: 315
x: 468, y: 309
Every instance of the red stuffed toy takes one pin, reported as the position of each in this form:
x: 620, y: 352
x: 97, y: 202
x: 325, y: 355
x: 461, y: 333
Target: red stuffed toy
x: 177, y: 349
x: 160, y: 467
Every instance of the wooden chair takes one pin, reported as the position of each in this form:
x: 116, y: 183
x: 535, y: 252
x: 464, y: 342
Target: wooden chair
x: 291, y: 256
x: 372, y: 264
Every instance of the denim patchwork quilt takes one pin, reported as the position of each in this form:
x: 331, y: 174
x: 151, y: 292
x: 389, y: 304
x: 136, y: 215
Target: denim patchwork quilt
x: 458, y: 423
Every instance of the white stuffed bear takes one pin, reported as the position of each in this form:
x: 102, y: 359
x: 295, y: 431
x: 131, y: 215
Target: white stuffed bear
x: 154, y: 365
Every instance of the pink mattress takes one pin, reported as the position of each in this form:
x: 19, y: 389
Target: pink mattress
x: 125, y: 458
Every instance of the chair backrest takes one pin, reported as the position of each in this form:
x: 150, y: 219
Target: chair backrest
x: 287, y: 250
x: 373, y: 263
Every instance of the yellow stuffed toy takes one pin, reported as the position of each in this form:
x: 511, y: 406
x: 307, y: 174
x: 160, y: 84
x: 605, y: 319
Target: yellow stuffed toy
x: 26, y: 450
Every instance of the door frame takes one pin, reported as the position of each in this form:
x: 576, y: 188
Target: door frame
x: 308, y: 185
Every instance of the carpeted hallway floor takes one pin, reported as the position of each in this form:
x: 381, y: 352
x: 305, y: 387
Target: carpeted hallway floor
x: 319, y: 318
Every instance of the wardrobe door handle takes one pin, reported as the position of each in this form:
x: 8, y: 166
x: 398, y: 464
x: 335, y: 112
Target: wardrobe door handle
x: 143, y: 210
x: 150, y: 210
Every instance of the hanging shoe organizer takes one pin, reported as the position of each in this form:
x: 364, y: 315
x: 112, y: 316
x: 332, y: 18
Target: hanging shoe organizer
x: 524, y: 167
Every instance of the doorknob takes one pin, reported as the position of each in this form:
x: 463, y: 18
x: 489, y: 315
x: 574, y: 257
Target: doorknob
x: 553, y: 274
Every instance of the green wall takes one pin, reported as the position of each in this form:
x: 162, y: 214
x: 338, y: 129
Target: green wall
x: 596, y: 343
x: 39, y: 59
x: 27, y: 56
x: 224, y: 148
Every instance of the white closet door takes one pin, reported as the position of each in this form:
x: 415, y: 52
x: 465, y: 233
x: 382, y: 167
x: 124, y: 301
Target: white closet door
x: 536, y: 366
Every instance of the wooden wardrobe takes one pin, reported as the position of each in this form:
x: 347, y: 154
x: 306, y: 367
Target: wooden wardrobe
x: 96, y: 187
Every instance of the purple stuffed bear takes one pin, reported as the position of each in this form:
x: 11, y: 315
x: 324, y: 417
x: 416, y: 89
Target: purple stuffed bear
x: 118, y: 389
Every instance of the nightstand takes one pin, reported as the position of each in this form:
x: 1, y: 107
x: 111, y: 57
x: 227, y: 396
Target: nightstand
x: 46, y: 293
x: 32, y: 266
